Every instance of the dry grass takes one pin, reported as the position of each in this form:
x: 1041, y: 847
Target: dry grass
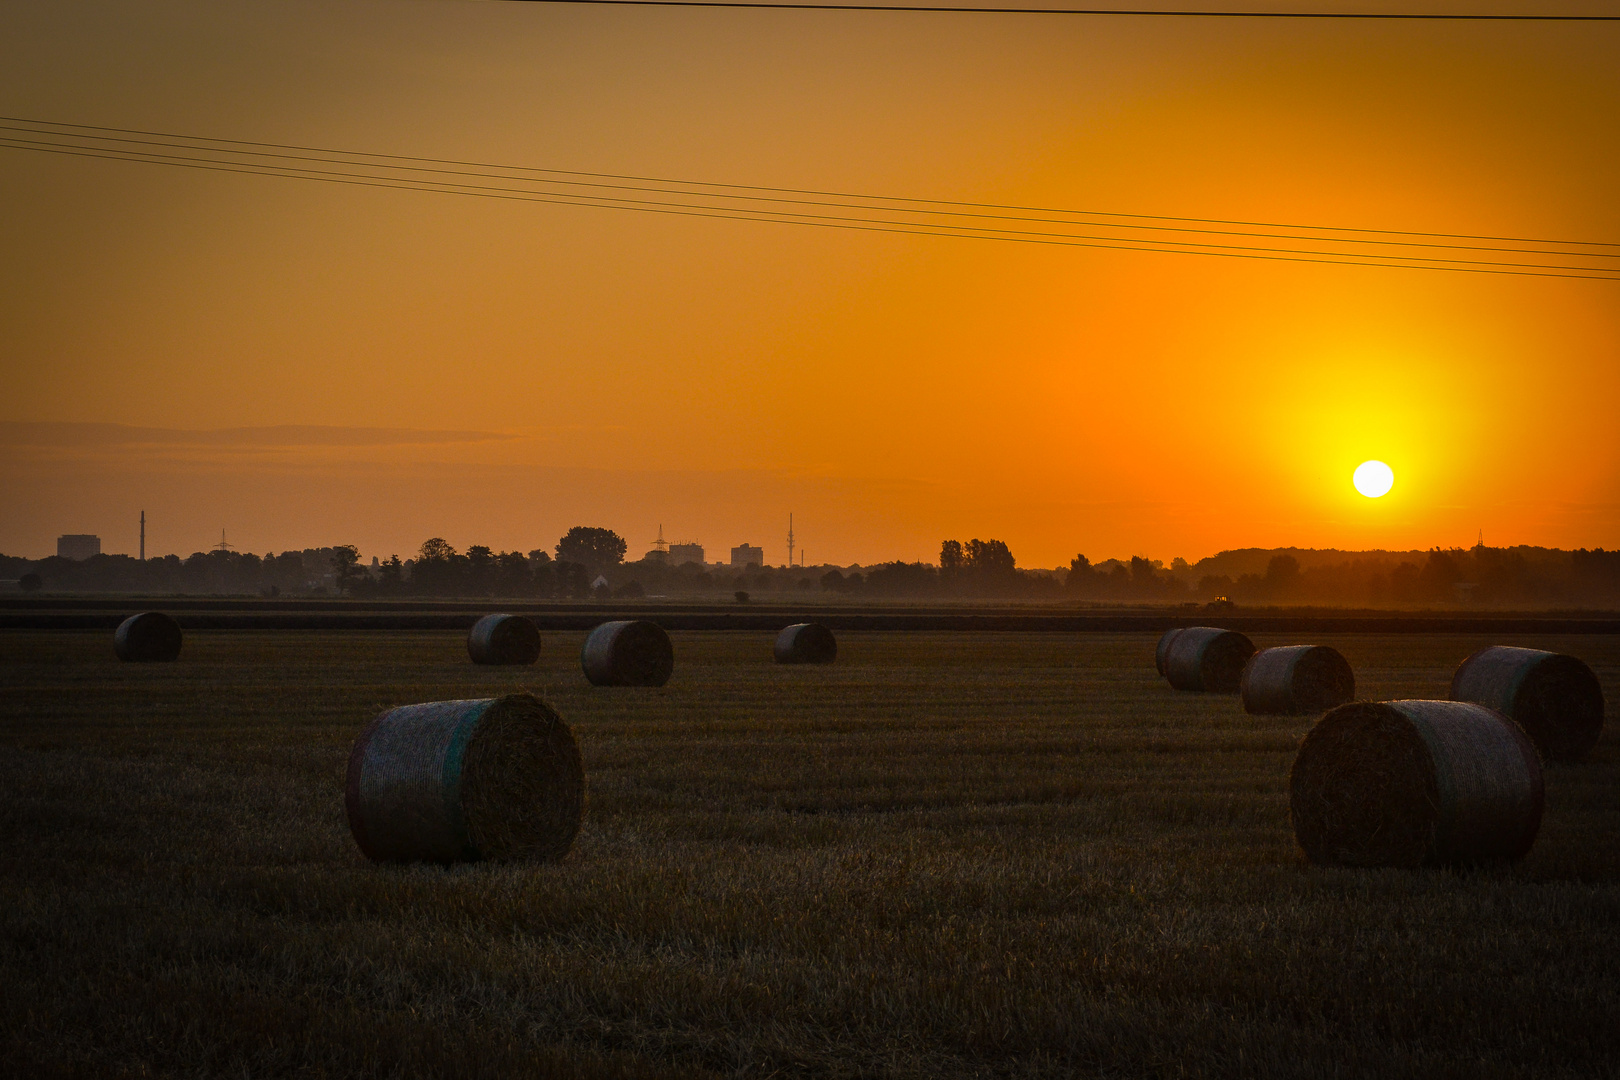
x: 945, y: 855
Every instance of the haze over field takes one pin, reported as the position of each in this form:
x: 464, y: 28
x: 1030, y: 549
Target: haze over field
x: 309, y: 363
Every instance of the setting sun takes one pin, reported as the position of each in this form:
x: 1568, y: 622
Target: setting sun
x: 1374, y: 479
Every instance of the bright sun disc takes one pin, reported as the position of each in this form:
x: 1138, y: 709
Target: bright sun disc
x: 1374, y: 478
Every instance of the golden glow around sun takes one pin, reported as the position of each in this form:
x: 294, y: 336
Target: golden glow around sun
x: 1374, y: 478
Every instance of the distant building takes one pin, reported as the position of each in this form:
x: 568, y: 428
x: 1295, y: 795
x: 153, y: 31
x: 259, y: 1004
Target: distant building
x: 77, y: 546
x: 747, y: 555
x: 685, y: 553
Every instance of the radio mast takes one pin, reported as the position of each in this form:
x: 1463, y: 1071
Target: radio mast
x: 790, y: 539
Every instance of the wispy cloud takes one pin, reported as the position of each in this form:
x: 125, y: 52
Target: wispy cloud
x: 85, y: 435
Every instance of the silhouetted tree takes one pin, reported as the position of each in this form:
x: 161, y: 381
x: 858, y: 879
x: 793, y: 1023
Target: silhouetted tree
x: 903, y: 579
x: 344, y: 569
x: 950, y: 558
x: 988, y: 559
x: 512, y: 575
x: 435, y: 572
x: 391, y: 577
x: 30, y: 582
x: 480, y: 570
x: 542, y: 573
x: 1144, y: 580
x: 1082, y: 579
x: 598, y: 549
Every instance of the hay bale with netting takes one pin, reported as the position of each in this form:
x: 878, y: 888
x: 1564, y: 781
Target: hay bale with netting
x: 504, y: 639
x: 1409, y: 783
x: 806, y: 643
x: 1207, y: 658
x: 449, y: 781
x: 1555, y: 698
x: 630, y: 652
x: 1163, y: 648
x: 148, y: 637
x: 1297, y: 679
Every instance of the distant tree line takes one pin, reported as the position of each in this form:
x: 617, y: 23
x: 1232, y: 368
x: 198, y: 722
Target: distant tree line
x: 1495, y: 577
x: 235, y: 572
x: 588, y: 562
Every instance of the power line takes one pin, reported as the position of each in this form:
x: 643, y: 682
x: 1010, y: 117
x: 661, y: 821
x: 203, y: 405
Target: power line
x: 870, y: 215
x: 617, y: 202
x: 1120, y: 12
x: 155, y: 158
x: 170, y: 139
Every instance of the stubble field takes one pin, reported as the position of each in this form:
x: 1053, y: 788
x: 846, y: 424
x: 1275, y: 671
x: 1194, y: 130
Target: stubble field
x: 949, y: 854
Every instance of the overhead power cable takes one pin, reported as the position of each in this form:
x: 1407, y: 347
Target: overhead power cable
x: 827, y: 209
x: 1403, y: 16
x: 172, y: 139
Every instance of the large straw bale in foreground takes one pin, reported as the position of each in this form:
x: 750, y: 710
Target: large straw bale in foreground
x: 806, y: 643
x: 1207, y: 658
x: 504, y: 639
x: 498, y: 778
x: 1555, y: 698
x: 148, y: 637
x: 1404, y: 783
x: 628, y: 653
x: 1163, y: 648
x: 1297, y: 679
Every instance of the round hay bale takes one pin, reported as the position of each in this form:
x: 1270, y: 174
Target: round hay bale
x: 628, y: 653
x: 504, y: 639
x: 449, y: 781
x: 1297, y: 679
x: 806, y: 643
x: 1554, y: 697
x: 1163, y: 648
x: 1207, y: 658
x: 1404, y: 783
x: 147, y: 637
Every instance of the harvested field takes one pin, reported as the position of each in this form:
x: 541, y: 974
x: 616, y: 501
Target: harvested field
x: 949, y: 854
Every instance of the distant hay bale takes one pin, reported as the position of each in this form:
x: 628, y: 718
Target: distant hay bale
x: 1555, y: 698
x: 450, y: 781
x: 504, y: 639
x: 1163, y: 648
x: 1405, y: 783
x: 148, y: 637
x: 1297, y: 679
x: 806, y: 643
x: 628, y: 653
x: 1207, y: 658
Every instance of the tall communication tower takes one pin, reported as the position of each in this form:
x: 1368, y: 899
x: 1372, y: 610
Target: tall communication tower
x: 143, y: 536
x: 790, y: 539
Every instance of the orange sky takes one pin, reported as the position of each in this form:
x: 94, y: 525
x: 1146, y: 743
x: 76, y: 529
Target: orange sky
x: 630, y: 370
